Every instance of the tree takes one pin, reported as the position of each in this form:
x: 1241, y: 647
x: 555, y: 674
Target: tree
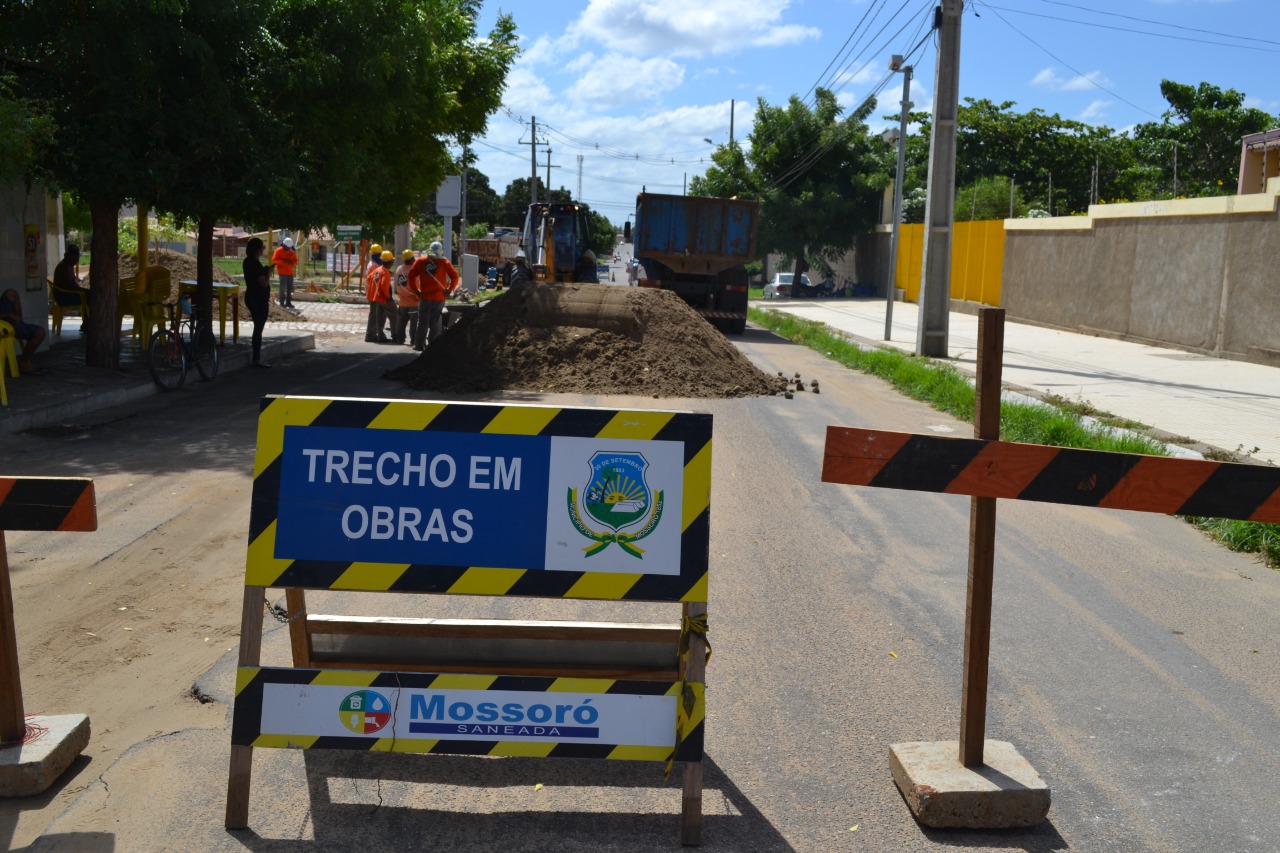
x: 1205, y: 124
x: 821, y: 177
x: 25, y: 133
x: 93, y: 67
x: 604, y: 237
x: 729, y: 176
x: 989, y: 198
x: 515, y: 200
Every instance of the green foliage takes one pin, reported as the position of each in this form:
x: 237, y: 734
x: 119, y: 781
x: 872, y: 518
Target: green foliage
x: 25, y: 133
x: 820, y: 176
x: 988, y: 198
x: 514, y: 203
x: 604, y: 237
x: 1206, y: 123
x: 729, y: 176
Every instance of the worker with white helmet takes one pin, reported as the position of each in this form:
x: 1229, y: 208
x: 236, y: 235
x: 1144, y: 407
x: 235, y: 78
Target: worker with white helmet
x: 585, y: 269
x: 285, y: 260
x: 435, y: 278
x: 519, y: 272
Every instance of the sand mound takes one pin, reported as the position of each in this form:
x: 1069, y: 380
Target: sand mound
x: 671, y: 352
x: 183, y: 268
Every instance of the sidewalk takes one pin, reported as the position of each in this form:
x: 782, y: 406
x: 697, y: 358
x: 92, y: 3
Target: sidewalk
x: 66, y: 389
x: 1230, y: 405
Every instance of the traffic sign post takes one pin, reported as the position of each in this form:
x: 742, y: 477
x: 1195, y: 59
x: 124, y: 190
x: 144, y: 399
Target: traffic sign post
x: 469, y: 499
x: 35, y: 752
x: 947, y: 783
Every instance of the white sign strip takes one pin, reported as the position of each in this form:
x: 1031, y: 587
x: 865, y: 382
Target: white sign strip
x: 476, y: 715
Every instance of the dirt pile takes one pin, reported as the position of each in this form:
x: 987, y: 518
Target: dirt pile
x: 659, y: 347
x: 183, y: 268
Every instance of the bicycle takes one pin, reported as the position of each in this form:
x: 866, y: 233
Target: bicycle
x: 169, y: 352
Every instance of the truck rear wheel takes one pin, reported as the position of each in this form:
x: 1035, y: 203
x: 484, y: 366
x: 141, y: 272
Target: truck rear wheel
x: 738, y: 326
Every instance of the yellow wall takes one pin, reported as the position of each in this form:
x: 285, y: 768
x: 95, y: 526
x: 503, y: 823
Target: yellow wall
x: 977, y: 261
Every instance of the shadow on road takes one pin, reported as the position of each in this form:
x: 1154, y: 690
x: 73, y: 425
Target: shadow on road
x: 614, y: 792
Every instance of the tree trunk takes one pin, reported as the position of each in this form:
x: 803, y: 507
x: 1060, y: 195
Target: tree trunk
x: 204, y: 266
x: 102, y: 336
x: 797, y: 292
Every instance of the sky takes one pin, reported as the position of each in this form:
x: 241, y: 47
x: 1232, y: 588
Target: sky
x: 636, y: 88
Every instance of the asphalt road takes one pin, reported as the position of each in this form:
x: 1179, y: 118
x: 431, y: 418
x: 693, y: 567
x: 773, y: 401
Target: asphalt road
x: 1134, y: 662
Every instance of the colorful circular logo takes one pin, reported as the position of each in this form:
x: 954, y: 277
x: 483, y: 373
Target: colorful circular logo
x: 365, y: 712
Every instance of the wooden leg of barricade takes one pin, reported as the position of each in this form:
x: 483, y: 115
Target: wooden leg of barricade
x: 13, y: 724
x: 694, y: 668
x: 295, y: 601
x: 239, y: 778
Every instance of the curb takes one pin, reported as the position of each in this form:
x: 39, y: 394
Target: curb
x: 65, y: 410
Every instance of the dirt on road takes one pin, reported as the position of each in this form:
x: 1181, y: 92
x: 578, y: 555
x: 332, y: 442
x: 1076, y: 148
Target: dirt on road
x: 654, y: 345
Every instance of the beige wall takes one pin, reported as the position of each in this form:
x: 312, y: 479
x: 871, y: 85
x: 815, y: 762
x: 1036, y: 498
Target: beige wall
x: 1203, y: 274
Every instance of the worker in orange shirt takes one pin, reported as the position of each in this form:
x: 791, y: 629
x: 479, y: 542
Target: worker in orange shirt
x: 285, y: 260
x: 436, y: 279
x: 381, y: 306
x: 407, y: 299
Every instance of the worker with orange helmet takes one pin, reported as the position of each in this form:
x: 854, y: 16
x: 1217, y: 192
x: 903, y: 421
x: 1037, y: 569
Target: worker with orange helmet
x: 381, y: 305
x: 436, y: 279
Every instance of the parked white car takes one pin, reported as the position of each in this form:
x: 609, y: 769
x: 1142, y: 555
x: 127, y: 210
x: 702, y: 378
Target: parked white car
x: 780, y: 286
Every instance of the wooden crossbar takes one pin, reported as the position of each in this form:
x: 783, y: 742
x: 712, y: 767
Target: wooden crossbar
x: 1032, y: 472
x: 47, y: 503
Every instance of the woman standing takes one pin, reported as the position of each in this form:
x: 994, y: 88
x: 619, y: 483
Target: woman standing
x: 257, y: 295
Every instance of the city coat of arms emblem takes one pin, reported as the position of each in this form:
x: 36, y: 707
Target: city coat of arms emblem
x: 617, y: 496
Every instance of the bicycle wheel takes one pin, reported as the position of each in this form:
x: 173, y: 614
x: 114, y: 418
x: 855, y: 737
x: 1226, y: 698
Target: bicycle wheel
x: 166, y: 360
x: 204, y: 350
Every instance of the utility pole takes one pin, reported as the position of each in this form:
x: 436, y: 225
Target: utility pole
x: 533, y: 159
x: 732, y: 105
x: 549, y: 168
x: 891, y: 286
x: 579, y: 177
x: 939, y: 211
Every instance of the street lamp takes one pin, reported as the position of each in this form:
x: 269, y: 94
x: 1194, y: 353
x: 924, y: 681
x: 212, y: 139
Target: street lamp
x: 895, y: 64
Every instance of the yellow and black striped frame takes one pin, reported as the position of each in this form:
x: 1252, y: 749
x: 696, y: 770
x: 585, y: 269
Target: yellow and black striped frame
x: 263, y: 568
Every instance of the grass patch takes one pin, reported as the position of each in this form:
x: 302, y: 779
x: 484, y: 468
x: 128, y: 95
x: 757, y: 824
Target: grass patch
x: 1053, y: 424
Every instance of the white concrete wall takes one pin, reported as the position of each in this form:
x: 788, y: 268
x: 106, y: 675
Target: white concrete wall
x: 19, y: 209
x: 1199, y: 274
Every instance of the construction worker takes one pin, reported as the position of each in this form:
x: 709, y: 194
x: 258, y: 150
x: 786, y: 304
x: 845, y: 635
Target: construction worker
x: 520, y: 272
x: 585, y: 270
x: 375, y: 258
x: 407, y: 297
x: 435, y: 279
x: 381, y: 306
x: 285, y: 260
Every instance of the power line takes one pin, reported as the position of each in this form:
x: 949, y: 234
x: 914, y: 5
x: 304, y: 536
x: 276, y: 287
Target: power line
x: 1158, y: 23
x: 1131, y: 30
x: 1052, y: 56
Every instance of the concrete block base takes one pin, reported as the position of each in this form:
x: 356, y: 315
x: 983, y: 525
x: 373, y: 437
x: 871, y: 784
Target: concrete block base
x: 32, y: 768
x: 1004, y: 792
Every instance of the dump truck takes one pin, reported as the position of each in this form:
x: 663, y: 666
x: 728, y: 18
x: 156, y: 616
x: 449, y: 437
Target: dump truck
x: 698, y: 248
x: 554, y: 237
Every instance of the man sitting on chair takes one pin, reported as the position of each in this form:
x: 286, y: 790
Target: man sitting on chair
x: 29, y: 333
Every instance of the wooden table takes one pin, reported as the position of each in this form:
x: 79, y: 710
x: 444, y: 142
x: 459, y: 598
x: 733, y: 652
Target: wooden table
x: 224, y: 292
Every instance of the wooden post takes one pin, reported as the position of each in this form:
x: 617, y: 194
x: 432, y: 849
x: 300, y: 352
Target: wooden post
x: 295, y: 602
x: 982, y: 536
x: 695, y: 669
x: 241, y: 772
x: 13, y: 722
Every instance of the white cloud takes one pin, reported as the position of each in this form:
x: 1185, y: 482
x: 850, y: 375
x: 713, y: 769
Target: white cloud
x: 618, y: 80
x: 1050, y: 79
x: 687, y: 28
x: 1096, y: 111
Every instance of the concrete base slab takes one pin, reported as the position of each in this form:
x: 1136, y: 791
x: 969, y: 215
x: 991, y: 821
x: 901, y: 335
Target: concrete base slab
x: 32, y: 768
x: 1004, y: 792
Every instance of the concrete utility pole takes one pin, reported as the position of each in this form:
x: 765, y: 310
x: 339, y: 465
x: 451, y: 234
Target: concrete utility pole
x: 939, y: 211
x: 891, y: 286
x: 533, y: 160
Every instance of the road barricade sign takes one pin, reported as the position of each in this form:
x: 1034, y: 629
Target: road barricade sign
x: 473, y: 499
